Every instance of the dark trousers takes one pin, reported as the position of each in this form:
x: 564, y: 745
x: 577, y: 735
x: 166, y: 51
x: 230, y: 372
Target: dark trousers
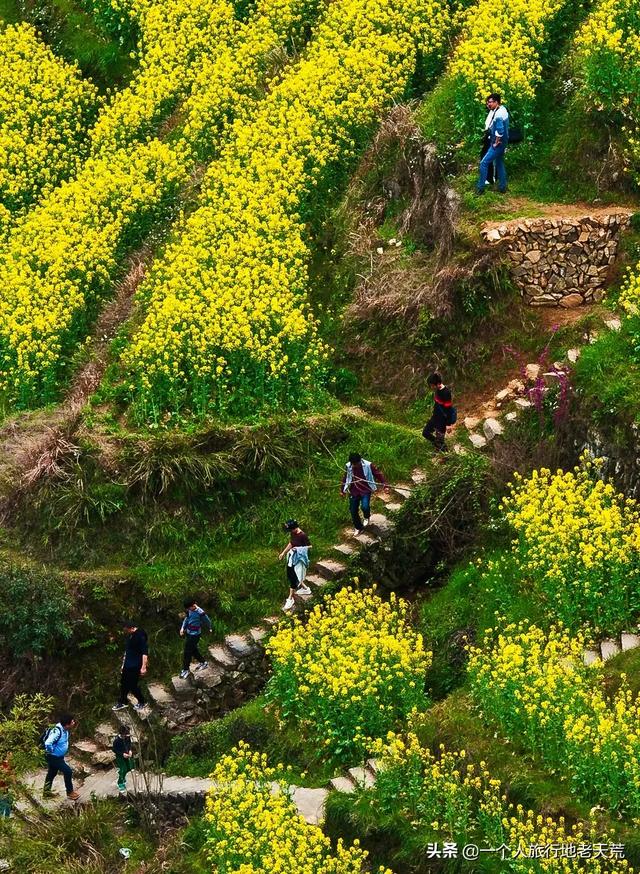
x: 124, y: 766
x: 191, y: 650
x: 130, y: 682
x: 57, y: 763
x: 355, y: 502
x: 486, y: 145
x: 292, y: 578
x: 434, y: 431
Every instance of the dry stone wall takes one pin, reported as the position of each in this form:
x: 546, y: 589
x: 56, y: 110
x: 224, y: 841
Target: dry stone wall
x: 563, y: 261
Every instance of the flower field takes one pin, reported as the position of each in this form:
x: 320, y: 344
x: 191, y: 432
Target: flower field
x: 350, y: 674
x: 46, y: 111
x: 534, y: 686
x: 456, y: 802
x: 241, y: 328
x: 254, y: 828
x: 84, y: 228
x: 578, y: 545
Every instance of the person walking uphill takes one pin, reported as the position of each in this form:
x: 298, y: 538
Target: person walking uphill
x: 56, y: 747
x: 444, y: 413
x: 124, y: 756
x: 498, y: 126
x: 192, y: 632
x: 360, y: 480
x: 134, y: 665
x: 297, y: 554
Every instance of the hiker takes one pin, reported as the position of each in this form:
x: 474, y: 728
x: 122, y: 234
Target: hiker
x: 56, y: 746
x: 297, y: 554
x: 191, y: 630
x: 124, y: 756
x: 360, y: 480
x: 134, y: 665
x: 486, y: 144
x: 444, y: 413
x: 498, y: 127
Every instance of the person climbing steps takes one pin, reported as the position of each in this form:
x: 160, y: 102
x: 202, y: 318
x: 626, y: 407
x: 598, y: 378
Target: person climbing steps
x: 360, y: 480
x: 191, y: 630
x: 444, y: 413
x: 296, y: 553
x: 56, y: 746
x: 134, y: 665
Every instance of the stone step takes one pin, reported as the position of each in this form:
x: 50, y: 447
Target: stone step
x: 105, y: 733
x: 223, y: 656
x: 342, y: 784
x: 362, y: 777
x: 492, y: 428
x: 139, y: 715
x: 315, y: 581
x: 589, y: 656
x: 609, y: 648
x: 310, y: 803
x: 372, y: 765
x: 387, y: 498
x: 258, y: 633
x: 344, y: 549
x: 240, y: 645
x: 403, y: 490
x: 478, y: 441
x: 271, y: 621
x: 160, y: 695
x: 418, y: 476
x: 629, y: 640
x: 330, y: 569
x: 393, y: 506
x: 364, y: 538
x: 379, y: 524
x: 209, y: 677
x: 183, y: 688
x: 85, y: 749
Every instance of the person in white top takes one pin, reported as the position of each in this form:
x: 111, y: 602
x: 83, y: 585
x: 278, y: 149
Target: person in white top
x: 498, y: 125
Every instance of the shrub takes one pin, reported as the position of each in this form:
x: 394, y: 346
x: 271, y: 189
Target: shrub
x: 535, y: 687
x: 34, y: 611
x: 253, y: 824
x: 350, y: 673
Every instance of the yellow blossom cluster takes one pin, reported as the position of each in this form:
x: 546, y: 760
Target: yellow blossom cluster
x: 578, y: 544
x: 46, y: 108
x: 534, y: 685
x: 253, y: 826
x: 459, y: 801
x: 350, y: 673
x: 500, y: 50
x: 63, y: 258
x: 227, y: 319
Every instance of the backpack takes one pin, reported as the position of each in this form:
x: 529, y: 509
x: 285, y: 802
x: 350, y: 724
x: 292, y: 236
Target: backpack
x: 516, y: 134
x: 42, y: 740
x: 453, y: 416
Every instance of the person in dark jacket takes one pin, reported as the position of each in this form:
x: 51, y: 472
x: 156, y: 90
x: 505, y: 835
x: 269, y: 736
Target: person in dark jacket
x: 360, y: 480
x: 436, y: 428
x: 191, y: 630
x: 134, y: 665
x: 124, y: 755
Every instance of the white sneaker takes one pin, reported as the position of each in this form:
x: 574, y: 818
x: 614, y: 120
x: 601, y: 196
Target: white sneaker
x: 365, y: 522
x: 202, y: 666
x: 289, y: 604
x: 303, y: 590
x: 184, y: 675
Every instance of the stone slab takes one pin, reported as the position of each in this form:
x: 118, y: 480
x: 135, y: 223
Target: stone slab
x: 240, y: 645
x: 590, y: 656
x: 160, y: 695
x: 362, y: 777
x: 223, y: 656
x: 609, y: 648
x: 342, y: 784
x: 629, y: 640
x: 478, y: 441
x: 330, y: 569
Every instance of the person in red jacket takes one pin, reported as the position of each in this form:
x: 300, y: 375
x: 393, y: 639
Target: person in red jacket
x: 443, y: 413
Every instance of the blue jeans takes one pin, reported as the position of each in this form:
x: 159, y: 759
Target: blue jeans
x: 495, y: 156
x: 355, y: 502
x: 57, y: 763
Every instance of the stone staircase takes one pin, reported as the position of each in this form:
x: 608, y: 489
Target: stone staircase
x: 237, y: 665
x: 610, y: 647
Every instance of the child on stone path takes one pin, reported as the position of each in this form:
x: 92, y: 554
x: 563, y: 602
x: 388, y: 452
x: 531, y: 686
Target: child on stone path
x: 124, y: 756
x: 443, y: 415
x: 191, y: 630
x: 297, y: 554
